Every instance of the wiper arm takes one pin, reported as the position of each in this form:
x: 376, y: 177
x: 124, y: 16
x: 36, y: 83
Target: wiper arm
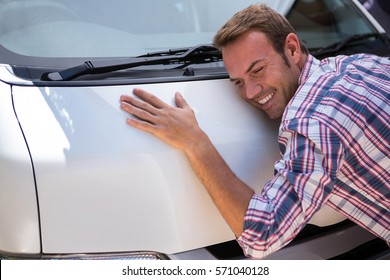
x: 335, y: 47
x: 194, y: 55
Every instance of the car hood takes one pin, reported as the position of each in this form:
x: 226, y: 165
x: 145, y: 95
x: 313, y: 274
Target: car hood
x: 103, y: 186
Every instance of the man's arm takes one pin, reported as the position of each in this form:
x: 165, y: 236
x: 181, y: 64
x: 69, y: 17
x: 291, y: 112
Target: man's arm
x: 178, y: 127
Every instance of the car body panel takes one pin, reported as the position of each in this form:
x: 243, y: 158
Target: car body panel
x: 19, y: 220
x: 94, y: 172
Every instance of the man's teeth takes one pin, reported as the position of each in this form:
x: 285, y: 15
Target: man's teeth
x: 266, y: 99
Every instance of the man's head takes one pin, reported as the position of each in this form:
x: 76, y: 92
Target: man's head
x: 263, y: 56
x: 257, y: 17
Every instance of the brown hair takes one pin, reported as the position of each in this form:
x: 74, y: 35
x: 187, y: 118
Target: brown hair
x: 257, y: 17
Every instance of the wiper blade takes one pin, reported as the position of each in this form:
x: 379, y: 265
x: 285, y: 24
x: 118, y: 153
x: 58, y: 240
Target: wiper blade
x: 338, y: 46
x: 194, y: 55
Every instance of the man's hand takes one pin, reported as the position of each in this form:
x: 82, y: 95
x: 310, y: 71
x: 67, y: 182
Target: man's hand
x: 177, y: 126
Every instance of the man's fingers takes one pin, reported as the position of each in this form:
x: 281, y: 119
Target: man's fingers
x: 149, y: 98
x: 138, y: 103
x: 142, y: 125
x: 138, y: 108
x: 176, y: 125
x: 152, y: 114
x: 180, y: 101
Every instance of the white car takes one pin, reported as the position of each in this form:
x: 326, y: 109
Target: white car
x: 77, y: 182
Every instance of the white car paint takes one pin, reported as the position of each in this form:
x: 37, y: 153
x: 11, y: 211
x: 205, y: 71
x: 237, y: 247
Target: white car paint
x: 104, y: 186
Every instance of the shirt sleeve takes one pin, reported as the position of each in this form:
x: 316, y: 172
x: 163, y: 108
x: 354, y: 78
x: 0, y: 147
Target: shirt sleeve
x: 311, y: 157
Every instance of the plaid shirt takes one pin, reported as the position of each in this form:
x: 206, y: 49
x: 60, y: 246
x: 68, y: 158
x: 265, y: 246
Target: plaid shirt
x: 334, y: 139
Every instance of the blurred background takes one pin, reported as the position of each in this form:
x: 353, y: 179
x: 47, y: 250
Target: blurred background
x: 380, y: 9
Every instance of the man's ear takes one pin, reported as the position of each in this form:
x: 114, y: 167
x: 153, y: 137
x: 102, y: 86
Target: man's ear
x: 292, y: 47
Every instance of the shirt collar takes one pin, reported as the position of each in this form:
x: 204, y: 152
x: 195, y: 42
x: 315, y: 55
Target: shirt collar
x: 310, y: 65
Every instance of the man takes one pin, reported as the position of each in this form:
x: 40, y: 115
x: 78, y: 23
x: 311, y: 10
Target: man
x: 334, y: 133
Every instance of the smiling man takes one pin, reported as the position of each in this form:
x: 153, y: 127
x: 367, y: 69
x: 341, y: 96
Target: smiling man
x: 334, y: 134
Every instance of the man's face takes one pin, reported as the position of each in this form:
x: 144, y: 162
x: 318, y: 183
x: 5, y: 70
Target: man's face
x: 261, y: 75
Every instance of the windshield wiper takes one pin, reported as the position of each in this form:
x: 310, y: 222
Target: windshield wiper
x: 338, y: 46
x: 195, y: 55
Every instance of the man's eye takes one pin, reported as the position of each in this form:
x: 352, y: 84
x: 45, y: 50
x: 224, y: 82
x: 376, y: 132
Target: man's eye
x: 257, y: 70
x: 238, y: 83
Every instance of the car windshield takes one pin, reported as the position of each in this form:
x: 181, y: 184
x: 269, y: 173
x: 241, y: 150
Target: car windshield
x: 90, y: 28
x: 36, y: 29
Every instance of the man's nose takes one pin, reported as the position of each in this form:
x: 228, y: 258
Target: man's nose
x: 252, y: 90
